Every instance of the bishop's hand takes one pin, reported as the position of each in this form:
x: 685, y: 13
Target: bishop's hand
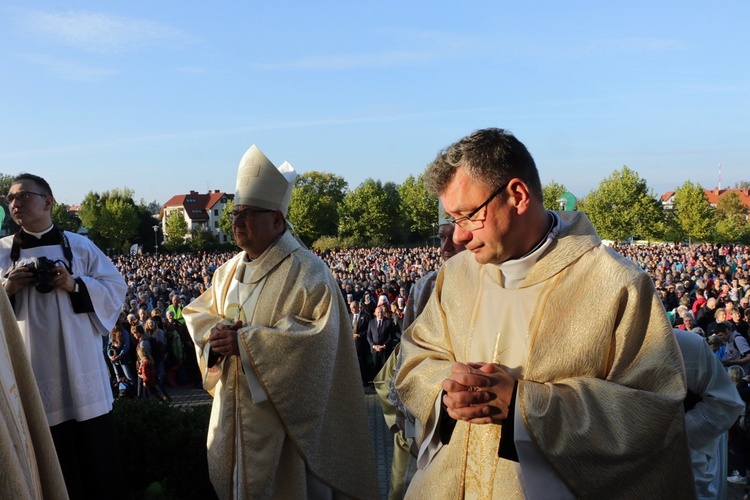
x: 223, y: 339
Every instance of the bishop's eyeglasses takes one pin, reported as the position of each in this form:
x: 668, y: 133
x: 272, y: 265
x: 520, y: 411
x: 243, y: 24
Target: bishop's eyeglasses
x: 246, y: 213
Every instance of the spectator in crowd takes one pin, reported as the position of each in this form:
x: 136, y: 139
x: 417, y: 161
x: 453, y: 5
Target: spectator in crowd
x: 720, y: 316
x: 738, y: 350
x: 175, y: 357
x: 739, y: 444
x: 360, y: 321
x: 718, y: 347
x: 706, y: 314
x: 147, y: 375
x: 118, y: 352
x: 176, y: 308
x: 381, y: 333
x: 65, y: 310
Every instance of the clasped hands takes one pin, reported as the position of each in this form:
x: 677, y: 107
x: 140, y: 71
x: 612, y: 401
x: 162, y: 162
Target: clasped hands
x: 223, y: 339
x: 478, y: 393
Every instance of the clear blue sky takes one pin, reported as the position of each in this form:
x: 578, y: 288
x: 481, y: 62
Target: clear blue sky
x: 164, y: 97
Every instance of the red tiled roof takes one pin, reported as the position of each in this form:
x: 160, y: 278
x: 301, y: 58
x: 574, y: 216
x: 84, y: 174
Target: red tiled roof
x: 713, y: 195
x: 196, y: 205
x: 667, y: 196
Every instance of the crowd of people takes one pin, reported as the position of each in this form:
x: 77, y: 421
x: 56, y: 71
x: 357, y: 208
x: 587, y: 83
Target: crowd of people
x: 151, y: 327
x: 700, y: 286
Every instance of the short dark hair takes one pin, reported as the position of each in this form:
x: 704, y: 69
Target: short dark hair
x: 721, y: 327
x: 491, y: 157
x: 25, y: 176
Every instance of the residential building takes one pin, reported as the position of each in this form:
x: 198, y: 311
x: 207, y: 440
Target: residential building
x: 713, y: 195
x: 201, y: 211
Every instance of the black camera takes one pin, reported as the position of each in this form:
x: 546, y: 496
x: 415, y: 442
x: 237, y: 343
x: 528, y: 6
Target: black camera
x: 113, y: 351
x: 43, y: 271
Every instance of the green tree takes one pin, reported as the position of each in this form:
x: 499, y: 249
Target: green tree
x: 152, y: 207
x: 111, y: 217
x: 418, y: 210
x: 731, y: 219
x: 145, y: 234
x: 176, y: 229
x: 396, y: 230
x: 7, y: 223
x: 5, y: 181
x: 624, y: 206
x: 693, y: 213
x: 225, y: 225
x: 551, y: 193
x: 61, y: 217
x: 202, y: 239
x: 366, y: 215
x: 742, y: 185
x: 313, y: 208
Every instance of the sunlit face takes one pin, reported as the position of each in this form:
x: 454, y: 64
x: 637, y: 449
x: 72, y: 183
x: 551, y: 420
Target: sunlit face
x: 447, y: 246
x: 256, y: 233
x: 30, y: 211
x: 493, y: 242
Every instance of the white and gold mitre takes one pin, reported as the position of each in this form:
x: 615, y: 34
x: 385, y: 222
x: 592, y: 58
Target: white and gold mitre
x: 442, y: 214
x: 260, y: 184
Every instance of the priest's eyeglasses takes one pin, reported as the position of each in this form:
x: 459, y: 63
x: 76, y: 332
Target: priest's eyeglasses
x: 467, y: 222
x: 246, y: 213
x: 22, y: 196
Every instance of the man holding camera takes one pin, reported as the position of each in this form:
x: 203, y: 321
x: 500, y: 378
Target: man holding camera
x: 66, y: 295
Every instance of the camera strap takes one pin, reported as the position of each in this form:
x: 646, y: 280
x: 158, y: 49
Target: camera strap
x: 15, y: 250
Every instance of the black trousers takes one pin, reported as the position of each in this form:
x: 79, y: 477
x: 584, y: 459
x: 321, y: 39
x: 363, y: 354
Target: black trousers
x: 89, y: 456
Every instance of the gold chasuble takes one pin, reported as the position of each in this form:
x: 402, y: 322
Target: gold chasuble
x: 302, y: 414
x: 28, y: 462
x: 600, y: 393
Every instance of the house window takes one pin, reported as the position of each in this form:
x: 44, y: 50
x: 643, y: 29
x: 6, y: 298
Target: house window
x: 216, y: 223
x: 216, y: 211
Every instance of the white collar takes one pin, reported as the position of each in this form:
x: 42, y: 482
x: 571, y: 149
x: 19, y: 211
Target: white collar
x: 40, y: 234
x: 514, y: 271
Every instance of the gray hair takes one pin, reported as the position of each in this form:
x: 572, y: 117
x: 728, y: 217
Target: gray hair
x: 491, y: 157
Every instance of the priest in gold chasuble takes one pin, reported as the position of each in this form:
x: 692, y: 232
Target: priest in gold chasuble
x: 273, y: 338
x: 543, y: 365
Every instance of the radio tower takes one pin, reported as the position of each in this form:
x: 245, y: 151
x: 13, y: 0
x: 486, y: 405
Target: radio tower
x: 719, y: 176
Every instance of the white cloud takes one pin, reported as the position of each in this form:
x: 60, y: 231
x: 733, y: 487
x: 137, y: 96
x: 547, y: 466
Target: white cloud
x: 645, y: 44
x: 98, y: 32
x: 415, y: 47
x: 353, y: 61
x: 71, y: 70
